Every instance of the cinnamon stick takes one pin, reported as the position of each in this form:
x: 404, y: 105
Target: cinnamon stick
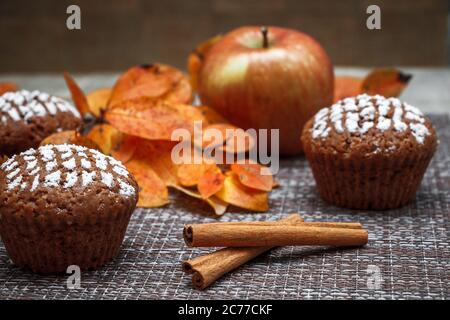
x: 217, y: 235
x: 345, y: 225
x: 208, y: 268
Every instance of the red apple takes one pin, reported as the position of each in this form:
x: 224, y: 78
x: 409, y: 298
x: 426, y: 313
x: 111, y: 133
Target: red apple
x: 267, y: 78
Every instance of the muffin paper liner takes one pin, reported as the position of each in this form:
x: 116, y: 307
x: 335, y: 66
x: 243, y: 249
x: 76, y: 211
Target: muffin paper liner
x: 378, y: 183
x: 49, y: 244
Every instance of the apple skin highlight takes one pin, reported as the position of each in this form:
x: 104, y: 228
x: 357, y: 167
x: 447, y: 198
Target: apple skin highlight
x: 275, y: 87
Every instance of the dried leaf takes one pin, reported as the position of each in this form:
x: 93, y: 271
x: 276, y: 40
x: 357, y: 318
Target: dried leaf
x: 217, y: 204
x: 98, y: 100
x: 189, y: 173
x: 211, y: 116
x: 77, y: 94
x: 239, y: 142
x: 155, y: 81
x: 226, y: 138
x: 7, y: 87
x: 70, y: 137
x: 195, y: 59
x: 276, y: 184
x: 388, y: 82
x: 216, y: 135
x: 253, y: 175
x: 210, y: 182
x: 346, y: 86
x: 152, y: 119
x: 157, y: 154
x: 152, y: 189
x: 105, y: 136
x: 125, y: 147
x: 241, y: 196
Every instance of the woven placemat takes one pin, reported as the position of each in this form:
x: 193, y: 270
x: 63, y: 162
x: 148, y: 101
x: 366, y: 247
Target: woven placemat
x: 407, y: 257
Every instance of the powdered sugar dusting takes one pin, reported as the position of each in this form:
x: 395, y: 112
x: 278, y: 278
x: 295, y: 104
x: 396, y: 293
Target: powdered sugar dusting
x: 87, y: 178
x: 49, y: 166
x: 107, y: 179
x: 10, y: 164
x: 71, y: 179
x: 383, y: 123
x: 120, y: 171
x: 13, y: 174
x: 419, y: 131
x: 15, y: 183
x: 47, y: 153
x: 35, y: 170
x: 23, y: 105
x: 29, y: 152
x: 35, y: 183
x: 399, y: 125
x: 52, y: 179
x: 70, y: 164
x: 65, y: 166
x: 101, y: 162
x: 362, y: 113
x: 86, y: 164
x: 320, y: 124
x: 125, y: 188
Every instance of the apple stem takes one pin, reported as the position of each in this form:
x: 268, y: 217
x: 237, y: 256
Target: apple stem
x: 264, y: 32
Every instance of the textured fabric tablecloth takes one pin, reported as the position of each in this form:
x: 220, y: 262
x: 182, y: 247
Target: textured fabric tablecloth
x: 408, y: 255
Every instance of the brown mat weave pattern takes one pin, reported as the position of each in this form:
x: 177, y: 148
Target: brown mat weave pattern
x: 408, y: 255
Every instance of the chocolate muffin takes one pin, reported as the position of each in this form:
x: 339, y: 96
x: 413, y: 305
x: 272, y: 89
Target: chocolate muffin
x: 26, y: 118
x: 64, y: 205
x: 369, y: 152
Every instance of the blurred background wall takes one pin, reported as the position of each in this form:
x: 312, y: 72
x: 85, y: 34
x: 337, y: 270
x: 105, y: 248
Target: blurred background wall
x: 118, y: 33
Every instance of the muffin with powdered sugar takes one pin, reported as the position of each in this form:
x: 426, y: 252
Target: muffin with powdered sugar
x: 63, y: 205
x: 369, y: 152
x: 26, y: 118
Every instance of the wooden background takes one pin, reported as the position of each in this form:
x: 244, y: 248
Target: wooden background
x: 118, y: 33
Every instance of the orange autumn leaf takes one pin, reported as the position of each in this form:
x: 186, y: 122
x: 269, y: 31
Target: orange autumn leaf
x: 388, y: 82
x: 125, y: 147
x: 70, y: 137
x: 105, y: 136
x: 155, y: 81
x: 217, y: 204
x: 346, y: 86
x: 216, y: 135
x: 239, y: 142
x: 276, y: 184
x: 195, y: 59
x: 157, y: 154
x: 152, y: 119
x: 254, y: 175
x: 226, y: 138
x: 235, y: 193
x: 98, y: 100
x: 7, y: 87
x: 189, y: 173
x: 152, y: 189
x: 211, y: 116
x: 210, y: 182
x: 77, y: 94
